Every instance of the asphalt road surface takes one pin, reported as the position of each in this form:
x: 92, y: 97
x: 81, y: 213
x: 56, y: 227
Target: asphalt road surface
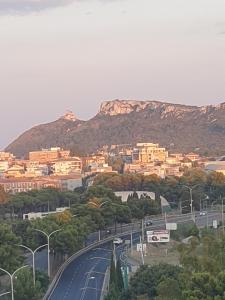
x: 83, y: 278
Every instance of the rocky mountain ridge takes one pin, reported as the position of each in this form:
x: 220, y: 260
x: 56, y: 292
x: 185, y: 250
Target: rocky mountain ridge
x: 175, y: 126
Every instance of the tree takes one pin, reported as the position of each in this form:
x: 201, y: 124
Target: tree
x: 24, y: 288
x: 169, y: 289
x: 113, y: 277
x: 119, y: 276
x: 10, y: 255
x: 3, y: 195
x: 147, y: 279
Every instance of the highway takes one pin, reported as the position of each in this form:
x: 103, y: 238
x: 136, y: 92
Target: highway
x: 83, y: 278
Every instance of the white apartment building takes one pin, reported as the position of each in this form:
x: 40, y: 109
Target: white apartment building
x: 34, y: 169
x: 68, y: 166
x: 4, y: 166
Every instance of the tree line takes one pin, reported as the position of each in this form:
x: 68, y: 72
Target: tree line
x: 208, y: 188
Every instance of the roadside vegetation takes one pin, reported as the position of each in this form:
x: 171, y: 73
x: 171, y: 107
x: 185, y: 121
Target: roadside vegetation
x: 199, y: 276
x: 97, y: 208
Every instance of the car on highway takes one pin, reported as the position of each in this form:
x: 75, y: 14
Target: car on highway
x: 202, y: 213
x: 108, y: 231
x: 117, y: 241
x: 147, y: 223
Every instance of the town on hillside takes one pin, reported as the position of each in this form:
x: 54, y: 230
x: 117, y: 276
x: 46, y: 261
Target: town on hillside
x: 57, y: 168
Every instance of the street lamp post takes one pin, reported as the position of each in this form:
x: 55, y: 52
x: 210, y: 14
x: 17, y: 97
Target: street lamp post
x: 11, y: 279
x: 33, y: 256
x: 48, y: 243
x: 191, y: 198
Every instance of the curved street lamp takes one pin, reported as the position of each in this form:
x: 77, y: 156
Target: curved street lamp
x: 11, y: 278
x: 48, y: 244
x: 191, y: 198
x: 33, y: 256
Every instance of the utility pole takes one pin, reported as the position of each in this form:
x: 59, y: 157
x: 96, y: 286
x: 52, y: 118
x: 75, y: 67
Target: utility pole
x: 142, y: 229
x: 222, y: 216
x: 114, y: 254
x: 191, y: 204
x: 165, y: 217
x: 142, y: 255
x: 131, y: 242
x: 191, y: 199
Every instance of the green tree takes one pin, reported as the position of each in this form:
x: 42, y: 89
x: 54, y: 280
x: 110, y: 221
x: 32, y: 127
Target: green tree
x: 119, y: 276
x: 169, y: 289
x: 10, y: 255
x: 24, y: 288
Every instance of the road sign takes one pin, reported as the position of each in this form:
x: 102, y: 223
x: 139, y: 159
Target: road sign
x: 139, y: 247
x: 158, y: 236
x: 171, y: 226
x: 215, y: 224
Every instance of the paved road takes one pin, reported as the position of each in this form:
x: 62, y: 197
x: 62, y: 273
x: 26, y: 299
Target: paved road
x: 83, y: 278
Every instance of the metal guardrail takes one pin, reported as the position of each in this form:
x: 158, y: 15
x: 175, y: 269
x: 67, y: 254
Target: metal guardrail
x: 105, y: 285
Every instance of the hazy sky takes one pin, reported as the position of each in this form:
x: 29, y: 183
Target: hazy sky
x: 57, y: 55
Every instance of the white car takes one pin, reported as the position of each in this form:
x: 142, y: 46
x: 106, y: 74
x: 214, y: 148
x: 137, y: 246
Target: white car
x: 117, y: 241
x: 203, y: 213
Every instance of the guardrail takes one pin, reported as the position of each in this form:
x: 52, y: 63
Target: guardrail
x: 105, y: 285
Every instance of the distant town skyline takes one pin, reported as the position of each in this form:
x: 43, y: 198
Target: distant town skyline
x: 72, y: 55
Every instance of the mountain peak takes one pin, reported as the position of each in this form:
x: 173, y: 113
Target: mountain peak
x: 69, y: 116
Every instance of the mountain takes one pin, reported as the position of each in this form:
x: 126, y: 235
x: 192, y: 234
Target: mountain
x: 175, y: 126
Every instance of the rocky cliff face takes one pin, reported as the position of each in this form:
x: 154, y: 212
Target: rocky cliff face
x: 178, y: 127
x: 120, y: 107
x: 69, y: 116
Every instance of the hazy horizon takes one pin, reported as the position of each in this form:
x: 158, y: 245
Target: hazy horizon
x: 59, y: 55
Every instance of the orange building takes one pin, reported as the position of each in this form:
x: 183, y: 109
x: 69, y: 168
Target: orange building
x: 49, y: 155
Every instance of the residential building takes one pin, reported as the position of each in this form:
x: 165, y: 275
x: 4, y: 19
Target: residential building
x: 49, y: 155
x: 145, y: 169
x: 15, y: 171
x: 68, y: 166
x: 177, y: 156
x: 4, y: 166
x: 6, y: 156
x: 149, y: 152
x: 68, y: 182
x: 99, y: 168
x: 23, y: 184
x: 34, y: 169
x: 18, y: 185
x: 94, y: 159
x: 192, y: 156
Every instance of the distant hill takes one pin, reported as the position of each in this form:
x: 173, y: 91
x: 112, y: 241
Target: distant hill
x: 177, y: 127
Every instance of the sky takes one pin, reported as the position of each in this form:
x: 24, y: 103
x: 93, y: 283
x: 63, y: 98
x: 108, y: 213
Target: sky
x: 59, y: 55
